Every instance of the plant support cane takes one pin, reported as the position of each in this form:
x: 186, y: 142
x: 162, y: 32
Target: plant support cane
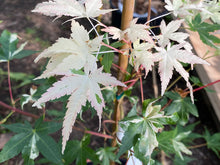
x: 127, y: 16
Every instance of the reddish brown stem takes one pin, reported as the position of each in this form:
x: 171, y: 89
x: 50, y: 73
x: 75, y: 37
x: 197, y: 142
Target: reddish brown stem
x: 18, y: 110
x: 121, y: 69
x: 197, y: 89
x: 36, y: 117
x: 119, y: 51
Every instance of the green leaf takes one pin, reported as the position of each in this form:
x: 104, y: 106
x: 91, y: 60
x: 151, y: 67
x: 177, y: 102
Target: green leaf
x: 108, y: 57
x: 49, y: 148
x: 31, y: 151
x: 186, y: 160
x: 106, y: 155
x: 79, y: 151
x: 128, y: 138
x: 9, y: 49
x: 204, y: 30
x: 14, y: 146
x: 133, y: 111
x: 180, y: 147
x: 18, y: 127
x: 48, y: 127
x: 71, y: 151
x: 24, y: 53
x: 80, y: 72
x: 171, y: 142
x: 107, y: 61
x: 183, y: 107
x: 8, y: 42
x: 213, y: 141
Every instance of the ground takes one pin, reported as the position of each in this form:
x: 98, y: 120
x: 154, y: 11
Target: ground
x: 40, y: 32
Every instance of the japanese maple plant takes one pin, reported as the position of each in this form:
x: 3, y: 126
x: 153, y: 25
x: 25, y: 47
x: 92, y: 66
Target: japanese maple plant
x: 79, y: 68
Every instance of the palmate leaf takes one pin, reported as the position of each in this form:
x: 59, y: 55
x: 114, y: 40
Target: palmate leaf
x: 213, y: 141
x: 140, y: 132
x: 168, y: 32
x: 30, y: 141
x: 170, y: 142
x: 106, y: 155
x: 134, y: 32
x: 170, y: 58
x: 73, y: 8
x: 204, y: 30
x: 183, y: 107
x: 8, y: 49
x: 81, y: 88
x: 142, y: 56
x: 14, y: 146
x: 68, y: 54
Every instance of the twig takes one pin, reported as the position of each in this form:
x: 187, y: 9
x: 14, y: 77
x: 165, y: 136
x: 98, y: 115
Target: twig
x: 9, y: 84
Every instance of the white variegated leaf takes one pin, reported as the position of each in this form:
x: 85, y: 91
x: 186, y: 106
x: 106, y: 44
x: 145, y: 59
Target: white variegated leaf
x: 132, y: 33
x: 73, y: 8
x: 67, y: 54
x: 81, y: 88
x: 170, y: 59
x: 142, y: 56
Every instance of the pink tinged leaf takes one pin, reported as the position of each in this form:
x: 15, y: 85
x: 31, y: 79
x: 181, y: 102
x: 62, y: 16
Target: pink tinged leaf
x: 97, y: 103
x: 166, y: 72
x: 63, y: 87
x: 76, y: 101
x: 60, y: 7
x: 117, y: 33
x: 138, y: 31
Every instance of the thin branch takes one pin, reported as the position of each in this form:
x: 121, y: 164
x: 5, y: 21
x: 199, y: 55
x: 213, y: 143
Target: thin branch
x: 197, y: 89
x: 9, y: 84
x: 197, y: 146
x: 36, y: 117
x: 18, y: 110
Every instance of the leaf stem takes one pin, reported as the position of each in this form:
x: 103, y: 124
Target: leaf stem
x: 6, y: 118
x: 197, y: 146
x: 197, y: 89
x: 119, y: 51
x: 9, y: 84
x: 157, y: 18
x: 18, y: 110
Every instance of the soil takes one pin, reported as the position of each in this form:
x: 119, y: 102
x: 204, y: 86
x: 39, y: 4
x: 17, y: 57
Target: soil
x: 40, y: 31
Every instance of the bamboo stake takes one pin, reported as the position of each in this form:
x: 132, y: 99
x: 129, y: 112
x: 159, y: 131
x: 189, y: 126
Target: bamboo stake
x: 127, y: 16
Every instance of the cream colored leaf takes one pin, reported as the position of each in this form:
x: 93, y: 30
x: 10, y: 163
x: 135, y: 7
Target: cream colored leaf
x: 81, y: 88
x: 74, y: 53
x: 73, y: 8
x: 142, y: 56
x: 170, y: 59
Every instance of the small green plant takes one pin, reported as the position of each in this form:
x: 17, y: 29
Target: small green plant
x: 73, y: 76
